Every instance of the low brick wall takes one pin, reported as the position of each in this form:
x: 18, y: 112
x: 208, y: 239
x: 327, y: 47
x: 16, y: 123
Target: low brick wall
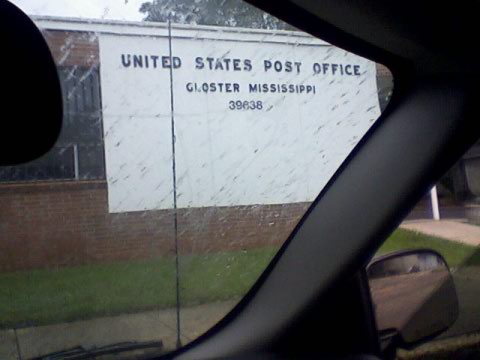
x: 47, y: 225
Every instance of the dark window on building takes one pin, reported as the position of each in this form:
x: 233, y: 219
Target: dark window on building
x: 78, y: 153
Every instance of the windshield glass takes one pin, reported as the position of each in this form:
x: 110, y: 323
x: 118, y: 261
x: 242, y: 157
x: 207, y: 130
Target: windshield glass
x: 195, y: 137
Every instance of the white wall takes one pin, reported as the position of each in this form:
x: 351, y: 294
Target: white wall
x: 285, y: 152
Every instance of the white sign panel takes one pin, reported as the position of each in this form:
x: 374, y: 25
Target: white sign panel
x: 256, y: 122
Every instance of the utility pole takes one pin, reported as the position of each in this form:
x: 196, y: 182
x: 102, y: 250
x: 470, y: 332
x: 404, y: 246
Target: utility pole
x: 174, y: 180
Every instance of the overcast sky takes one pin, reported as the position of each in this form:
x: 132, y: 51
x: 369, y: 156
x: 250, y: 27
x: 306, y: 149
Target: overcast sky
x: 96, y: 9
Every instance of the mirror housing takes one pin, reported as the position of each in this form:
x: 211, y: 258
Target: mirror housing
x: 31, y: 101
x: 414, y: 295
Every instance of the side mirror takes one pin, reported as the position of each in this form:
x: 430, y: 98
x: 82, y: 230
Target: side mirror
x: 413, y: 294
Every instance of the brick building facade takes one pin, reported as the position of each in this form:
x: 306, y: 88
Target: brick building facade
x: 55, y: 211
x: 52, y: 224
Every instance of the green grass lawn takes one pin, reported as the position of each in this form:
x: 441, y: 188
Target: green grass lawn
x: 455, y: 253
x: 67, y: 294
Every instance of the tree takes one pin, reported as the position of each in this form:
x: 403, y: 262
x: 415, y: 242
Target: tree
x: 235, y: 13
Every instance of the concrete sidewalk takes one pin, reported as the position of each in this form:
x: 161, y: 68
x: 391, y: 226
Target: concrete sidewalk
x: 26, y: 343
x: 456, y: 230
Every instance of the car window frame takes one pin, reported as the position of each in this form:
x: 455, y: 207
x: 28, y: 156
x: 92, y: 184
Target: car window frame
x: 416, y: 96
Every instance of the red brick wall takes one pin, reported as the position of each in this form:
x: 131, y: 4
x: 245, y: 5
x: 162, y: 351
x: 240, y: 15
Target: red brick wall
x: 73, y: 48
x: 46, y: 225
